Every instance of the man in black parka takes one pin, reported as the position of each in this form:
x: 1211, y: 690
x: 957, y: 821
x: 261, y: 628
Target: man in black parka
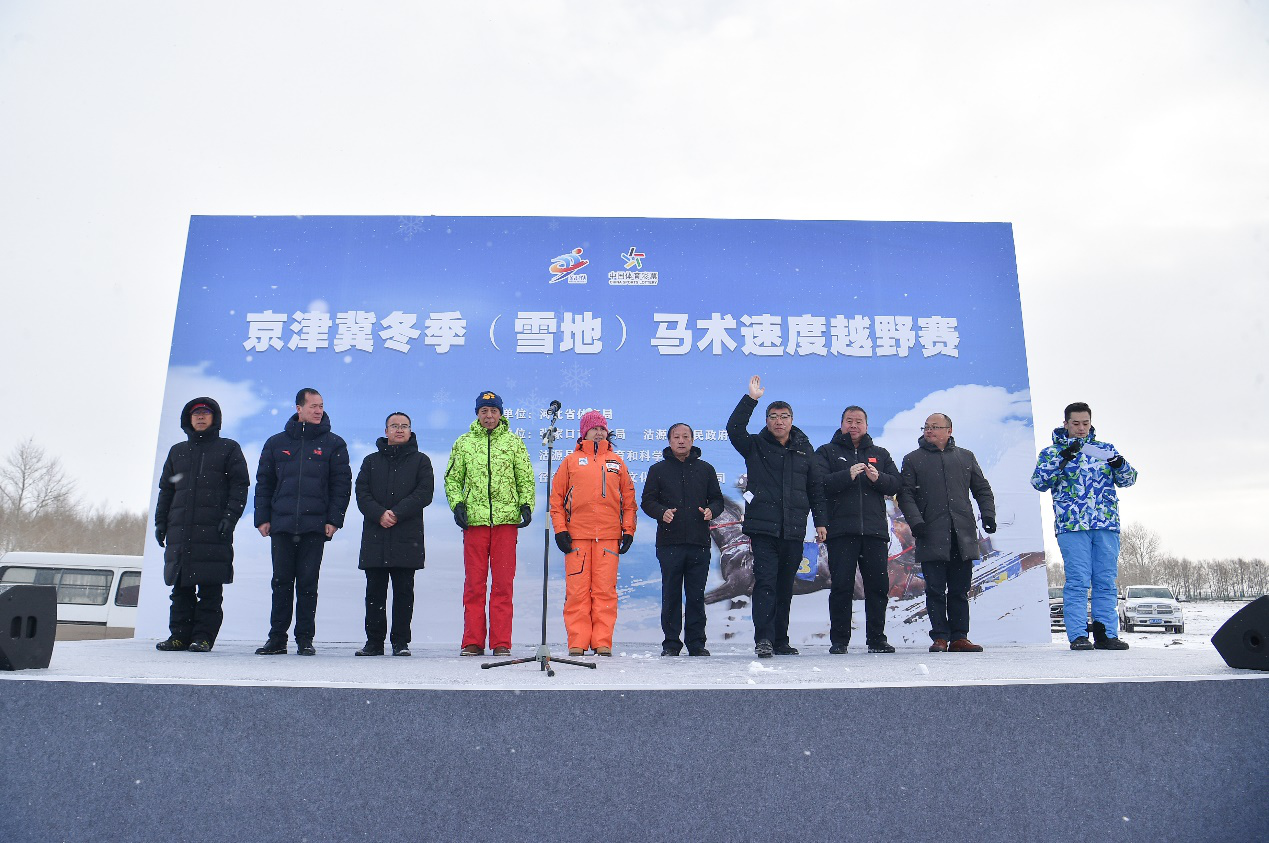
x: 784, y: 483
x: 858, y: 477
x: 202, y: 493
x: 938, y: 479
x: 303, y: 486
x: 394, y: 485
x: 682, y: 495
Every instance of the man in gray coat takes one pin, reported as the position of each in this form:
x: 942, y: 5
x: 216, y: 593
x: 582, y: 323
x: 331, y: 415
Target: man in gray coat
x: 938, y: 479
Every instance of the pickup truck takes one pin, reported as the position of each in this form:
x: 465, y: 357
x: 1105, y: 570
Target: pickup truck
x: 1150, y: 607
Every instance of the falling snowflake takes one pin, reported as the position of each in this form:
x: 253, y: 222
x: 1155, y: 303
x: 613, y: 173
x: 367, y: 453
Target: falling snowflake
x: 576, y: 378
x: 511, y: 384
x: 410, y: 226
x: 553, y: 225
x: 440, y: 396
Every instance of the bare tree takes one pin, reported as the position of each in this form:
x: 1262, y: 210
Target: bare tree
x: 1138, y: 553
x: 33, y: 485
x: 1057, y: 573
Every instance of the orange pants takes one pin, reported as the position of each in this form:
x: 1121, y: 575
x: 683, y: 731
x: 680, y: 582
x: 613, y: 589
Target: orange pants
x: 590, y: 593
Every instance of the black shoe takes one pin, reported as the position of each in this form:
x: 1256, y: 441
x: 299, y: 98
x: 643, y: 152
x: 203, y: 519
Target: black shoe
x: 1108, y: 644
x: 171, y: 645
x: 202, y: 645
x: 273, y: 647
x: 1081, y: 643
x: 763, y: 650
x: 786, y: 650
x: 305, y: 648
x: 837, y: 650
x: 882, y: 646
x: 400, y: 649
x: 666, y: 651
x: 372, y: 648
x: 697, y: 651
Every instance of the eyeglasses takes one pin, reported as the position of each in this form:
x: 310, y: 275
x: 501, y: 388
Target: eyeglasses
x: 779, y: 416
x: 930, y: 427
x: 398, y: 427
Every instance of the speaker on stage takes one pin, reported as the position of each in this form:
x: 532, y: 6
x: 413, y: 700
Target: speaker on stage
x: 28, y: 625
x: 1243, y: 641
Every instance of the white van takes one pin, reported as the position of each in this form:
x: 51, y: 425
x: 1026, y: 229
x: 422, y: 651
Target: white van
x: 96, y: 593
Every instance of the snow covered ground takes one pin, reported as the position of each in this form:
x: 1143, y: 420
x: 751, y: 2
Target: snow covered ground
x: 1154, y: 657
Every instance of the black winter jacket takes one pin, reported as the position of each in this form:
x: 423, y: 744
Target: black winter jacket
x: 304, y: 481
x: 399, y: 478
x: 687, y: 487
x: 935, y: 499
x: 857, y: 507
x: 786, y: 481
x: 204, y: 482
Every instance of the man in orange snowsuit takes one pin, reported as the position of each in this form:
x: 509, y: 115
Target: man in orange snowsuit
x: 593, y: 513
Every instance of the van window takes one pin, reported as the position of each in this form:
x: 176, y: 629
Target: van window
x: 129, y: 588
x: 74, y: 586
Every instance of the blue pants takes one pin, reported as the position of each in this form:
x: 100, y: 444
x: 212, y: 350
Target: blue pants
x: 1091, y: 560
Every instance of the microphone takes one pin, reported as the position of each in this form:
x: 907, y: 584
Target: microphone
x: 554, y: 408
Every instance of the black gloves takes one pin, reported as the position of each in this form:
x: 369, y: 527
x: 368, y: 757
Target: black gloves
x: 989, y: 524
x: 526, y: 515
x: 226, y: 528
x: 626, y: 541
x: 918, y: 530
x: 460, y: 516
x: 160, y: 535
x: 1068, y: 453
x: 1115, y: 462
x: 564, y: 541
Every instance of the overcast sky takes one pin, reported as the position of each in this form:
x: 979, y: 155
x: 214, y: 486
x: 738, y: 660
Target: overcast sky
x: 1126, y: 142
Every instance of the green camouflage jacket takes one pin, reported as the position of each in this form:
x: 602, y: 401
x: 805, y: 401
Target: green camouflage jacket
x: 490, y: 472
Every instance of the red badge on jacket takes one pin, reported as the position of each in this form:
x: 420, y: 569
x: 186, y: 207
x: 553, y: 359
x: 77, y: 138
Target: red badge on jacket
x: 317, y: 451
x: 872, y: 459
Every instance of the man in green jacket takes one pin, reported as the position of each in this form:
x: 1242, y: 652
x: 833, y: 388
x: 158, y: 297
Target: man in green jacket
x: 490, y: 486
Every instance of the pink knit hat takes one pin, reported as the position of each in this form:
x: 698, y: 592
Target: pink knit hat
x: 593, y: 419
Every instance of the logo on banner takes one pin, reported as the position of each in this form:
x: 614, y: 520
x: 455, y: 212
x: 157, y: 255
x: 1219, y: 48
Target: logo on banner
x: 638, y: 277
x: 566, y: 266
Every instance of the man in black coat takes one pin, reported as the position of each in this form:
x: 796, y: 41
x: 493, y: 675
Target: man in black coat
x: 394, y: 485
x: 202, y: 493
x: 938, y: 479
x: 302, y: 489
x: 784, y: 483
x: 858, y: 477
x: 682, y: 495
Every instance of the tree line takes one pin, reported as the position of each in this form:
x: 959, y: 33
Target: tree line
x: 1142, y: 561
x: 39, y: 510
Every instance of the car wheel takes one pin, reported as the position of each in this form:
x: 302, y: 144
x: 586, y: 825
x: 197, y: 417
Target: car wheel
x: 1127, y: 627
x: 1180, y: 630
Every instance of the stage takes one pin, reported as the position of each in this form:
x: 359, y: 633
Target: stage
x: 116, y: 741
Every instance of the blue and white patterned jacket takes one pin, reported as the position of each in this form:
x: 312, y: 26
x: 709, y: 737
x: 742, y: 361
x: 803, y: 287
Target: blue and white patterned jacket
x: 1084, y: 496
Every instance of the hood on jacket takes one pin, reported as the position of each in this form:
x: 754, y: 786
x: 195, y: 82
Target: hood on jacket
x: 842, y: 440
x: 693, y: 454
x: 388, y: 449
x: 797, y: 438
x: 1061, y: 438
x: 928, y: 446
x: 297, y: 430
x: 189, y: 428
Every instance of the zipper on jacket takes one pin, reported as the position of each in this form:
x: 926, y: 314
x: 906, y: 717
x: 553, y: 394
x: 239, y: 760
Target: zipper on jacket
x: 299, y: 484
x: 489, y: 473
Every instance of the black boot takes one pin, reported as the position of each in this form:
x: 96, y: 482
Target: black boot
x: 275, y: 646
x: 1101, y: 641
x: 372, y: 648
x: 171, y: 645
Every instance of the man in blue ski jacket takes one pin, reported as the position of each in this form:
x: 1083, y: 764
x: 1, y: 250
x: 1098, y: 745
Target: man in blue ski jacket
x: 1082, y: 473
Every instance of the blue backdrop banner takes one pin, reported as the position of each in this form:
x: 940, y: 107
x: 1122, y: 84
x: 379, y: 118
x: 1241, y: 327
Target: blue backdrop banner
x: 650, y: 321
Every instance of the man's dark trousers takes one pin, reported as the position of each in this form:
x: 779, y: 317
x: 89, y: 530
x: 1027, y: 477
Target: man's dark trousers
x: 869, y: 554
x: 297, y: 560
x: 196, y: 612
x: 775, y: 565
x: 684, y: 570
x: 947, y: 595
x: 402, y: 604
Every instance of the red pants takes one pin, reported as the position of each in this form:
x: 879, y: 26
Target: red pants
x: 590, y: 593
x: 486, y: 550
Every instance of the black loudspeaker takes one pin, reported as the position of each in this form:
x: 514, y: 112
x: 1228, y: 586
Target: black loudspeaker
x: 28, y: 625
x: 1243, y: 641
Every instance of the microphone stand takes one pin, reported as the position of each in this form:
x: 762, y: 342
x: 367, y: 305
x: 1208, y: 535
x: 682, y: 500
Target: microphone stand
x: 543, y: 656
